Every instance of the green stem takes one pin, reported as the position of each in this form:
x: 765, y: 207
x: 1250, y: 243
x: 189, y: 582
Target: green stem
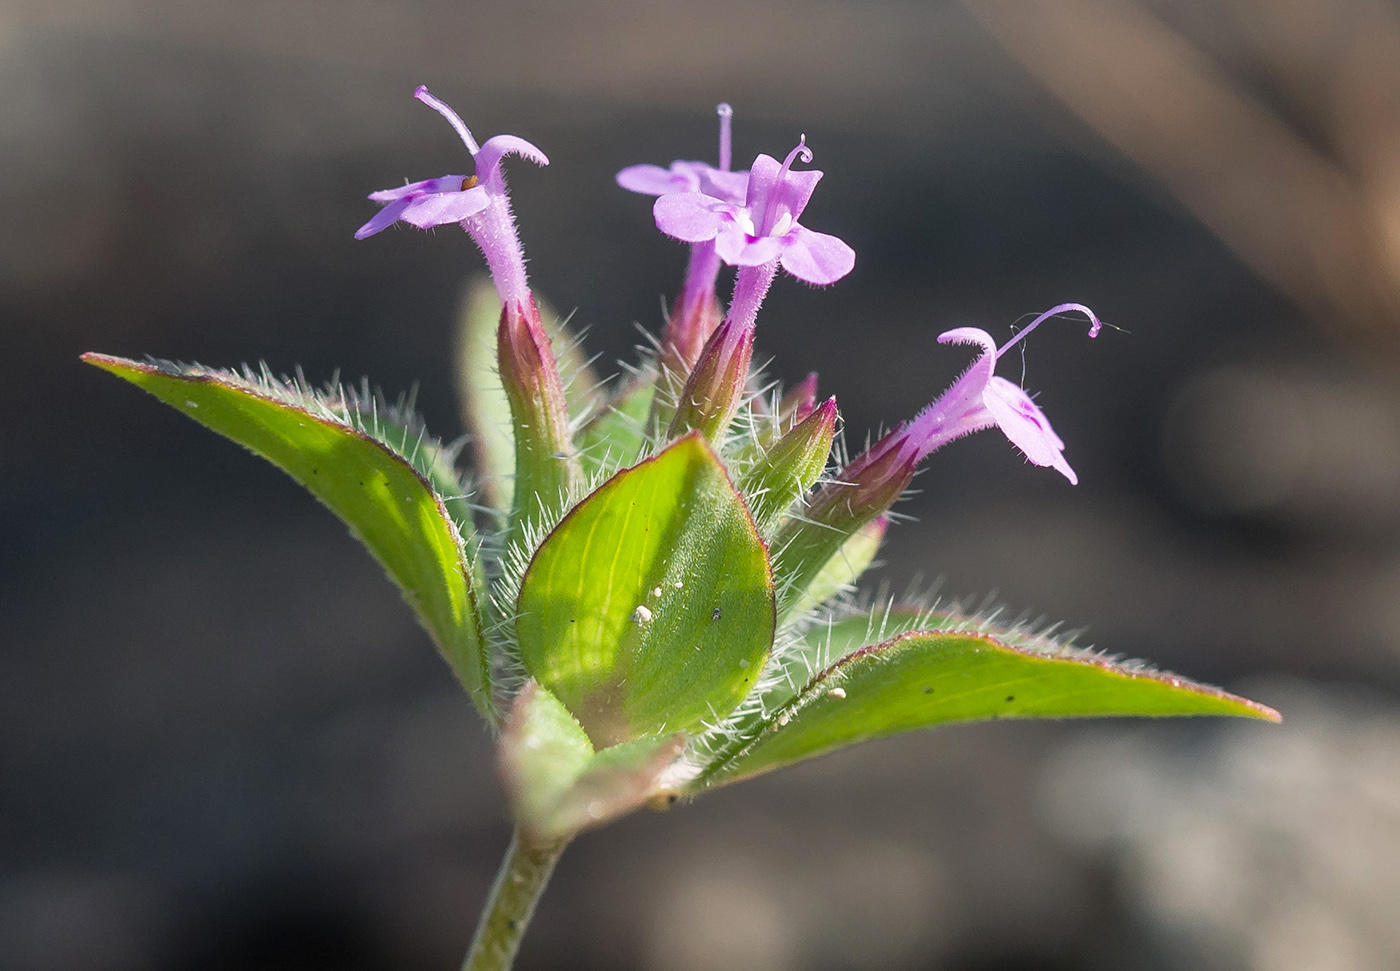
x: 517, y: 889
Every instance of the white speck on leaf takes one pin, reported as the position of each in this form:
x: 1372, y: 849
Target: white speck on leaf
x: 836, y: 693
x: 641, y: 615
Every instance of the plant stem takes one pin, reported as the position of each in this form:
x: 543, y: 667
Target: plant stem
x: 522, y: 878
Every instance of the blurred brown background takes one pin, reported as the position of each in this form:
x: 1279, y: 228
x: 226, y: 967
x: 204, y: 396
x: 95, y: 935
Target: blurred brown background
x: 225, y: 744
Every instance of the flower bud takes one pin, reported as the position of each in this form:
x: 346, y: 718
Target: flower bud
x: 695, y: 315
x: 545, y: 464
x: 717, y: 386
x: 863, y: 490
x: 799, y: 401
x: 790, y: 467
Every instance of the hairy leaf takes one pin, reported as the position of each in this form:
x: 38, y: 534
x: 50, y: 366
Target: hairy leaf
x: 558, y: 786
x: 373, y: 475
x: 920, y: 679
x: 650, y: 606
x: 615, y: 438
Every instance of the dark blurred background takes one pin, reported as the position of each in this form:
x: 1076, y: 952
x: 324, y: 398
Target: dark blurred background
x: 225, y: 744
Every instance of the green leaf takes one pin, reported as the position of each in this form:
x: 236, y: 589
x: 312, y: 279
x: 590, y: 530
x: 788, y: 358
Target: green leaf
x: 485, y: 409
x: 557, y: 785
x: 615, y: 438
x: 789, y: 467
x: 373, y: 474
x: 845, y: 568
x: 543, y: 752
x: 650, y: 606
x: 920, y: 679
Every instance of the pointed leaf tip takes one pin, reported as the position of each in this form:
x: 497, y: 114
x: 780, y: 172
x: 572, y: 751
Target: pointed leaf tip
x: 925, y: 678
x: 371, y: 476
x: 791, y: 466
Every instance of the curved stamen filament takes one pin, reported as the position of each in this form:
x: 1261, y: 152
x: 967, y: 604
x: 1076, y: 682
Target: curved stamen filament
x: 455, y: 120
x: 726, y: 152
x: 1094, y: 323
x: 770, y: 210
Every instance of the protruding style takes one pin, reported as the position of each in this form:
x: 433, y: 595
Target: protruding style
x: 545, y: 466
x: 871, y: 483
x: 478, y: 202
x: 696, y: 312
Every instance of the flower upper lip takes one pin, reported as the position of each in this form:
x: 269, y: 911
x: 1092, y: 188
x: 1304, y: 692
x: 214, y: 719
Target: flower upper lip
x: 685, y: 176
x: 450, y: 198
x: 762, y: 228
x: 980, y: 399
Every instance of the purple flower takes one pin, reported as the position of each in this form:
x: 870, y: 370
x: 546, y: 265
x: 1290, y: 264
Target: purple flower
x: 872, y: 481
x: 764, y: 228
x: 479, y: 202
x: 691, y: 176
x: 758, y: 237
x: 696, y: 312
x: 979, y: 399
x: 685, y: 176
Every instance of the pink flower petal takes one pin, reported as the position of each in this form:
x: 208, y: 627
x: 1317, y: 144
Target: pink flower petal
x: 788, y: 197
x: 795, y: 191
x: 763, y: 174
x: 440, y: 208
x: 689, y: 216
x: 383, y: 219
x: 986, y: 363
x: 500, y: 146
x: 653, y: 180
x: 729, y: 186
x: 1026, y: 426
x: 738, y: 249
x: 817, y: 258
x: 447, y: 183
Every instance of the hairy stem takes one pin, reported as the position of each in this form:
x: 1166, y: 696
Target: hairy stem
x: 522, y: 878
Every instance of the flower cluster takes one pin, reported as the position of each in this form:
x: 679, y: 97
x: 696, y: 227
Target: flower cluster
x: 653, y: 597
x: 748, y: 219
